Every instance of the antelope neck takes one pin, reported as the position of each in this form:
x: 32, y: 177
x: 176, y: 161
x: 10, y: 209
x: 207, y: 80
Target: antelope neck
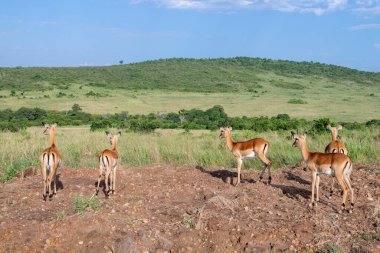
x: 52, y: 137
x: 114, y: 142
x: 334, y: 134
x: 230, y: 142
x: 305, y: 151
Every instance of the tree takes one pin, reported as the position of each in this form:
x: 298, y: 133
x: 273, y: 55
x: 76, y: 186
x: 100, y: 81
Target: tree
x: 75, y: 110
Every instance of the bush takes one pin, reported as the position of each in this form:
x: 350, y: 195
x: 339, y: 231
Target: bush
x: 296, y: 101
x: 143, y: 125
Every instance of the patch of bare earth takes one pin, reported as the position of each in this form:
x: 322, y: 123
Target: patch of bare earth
x: 166, y: 209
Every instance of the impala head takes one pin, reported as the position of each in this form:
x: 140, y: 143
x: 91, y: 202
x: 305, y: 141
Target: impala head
x: 224, y: 130
x: 113, y: 138
x: 298, y: 139
x: 334, y: 130
x: 49, y: 128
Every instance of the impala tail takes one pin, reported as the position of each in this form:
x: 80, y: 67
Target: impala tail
x: 49, y: 160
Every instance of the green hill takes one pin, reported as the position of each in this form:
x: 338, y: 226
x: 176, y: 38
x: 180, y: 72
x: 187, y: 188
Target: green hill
x: 244, y: 86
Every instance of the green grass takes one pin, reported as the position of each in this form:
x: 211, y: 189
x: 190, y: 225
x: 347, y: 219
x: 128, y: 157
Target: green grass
x: 81, y: 203
x: 243, y: 86
x: 330, y: 248
x: 79, y: 148
x: 297, y: 101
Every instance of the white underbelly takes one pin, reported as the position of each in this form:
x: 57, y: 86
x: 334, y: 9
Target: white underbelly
x: 328, y: 172
x: 250, y: 155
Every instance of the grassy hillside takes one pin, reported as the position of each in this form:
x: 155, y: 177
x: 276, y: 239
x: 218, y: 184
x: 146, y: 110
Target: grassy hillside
x: 243, y: 86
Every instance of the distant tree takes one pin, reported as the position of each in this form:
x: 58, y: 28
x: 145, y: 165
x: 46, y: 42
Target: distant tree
x: 75, y: 110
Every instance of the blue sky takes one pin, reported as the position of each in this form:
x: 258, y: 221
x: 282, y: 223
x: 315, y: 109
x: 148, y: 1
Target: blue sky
x: 103, y: 32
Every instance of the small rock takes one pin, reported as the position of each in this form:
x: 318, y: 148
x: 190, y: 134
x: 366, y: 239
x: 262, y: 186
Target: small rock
x: 165, y: 243
x: 80, y: 242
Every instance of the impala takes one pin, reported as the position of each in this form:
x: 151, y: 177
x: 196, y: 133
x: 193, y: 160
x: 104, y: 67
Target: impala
x: 50, y: 161
x: 247, y: 149
x: 333, y: 164
x: 108, y: 160
x: 335, y: 146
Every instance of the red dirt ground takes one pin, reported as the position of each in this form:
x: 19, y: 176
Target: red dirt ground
x: 166, y: 209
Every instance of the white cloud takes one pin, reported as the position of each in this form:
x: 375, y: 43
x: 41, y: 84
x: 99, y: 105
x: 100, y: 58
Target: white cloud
x: 364, y: 27
x: 317, y: 7
x: 368, y: 7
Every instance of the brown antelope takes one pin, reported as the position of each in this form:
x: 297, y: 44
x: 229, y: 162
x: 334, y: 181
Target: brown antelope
x: 335, y: 146
x: 333, y: 164
x: 108, y: 160
x: 50, y: 161
x: 247, y: 149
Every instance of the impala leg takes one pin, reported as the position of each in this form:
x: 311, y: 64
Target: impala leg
x: 267, y: 165
x: 332, y: 187
x: 43, y: 171
x: 49, y: 185
x: 55, y: 183
x: 239, y: 163
x: 106, y: 180
x: 114, y: 181
x: 313, y: 182
x: 318, y: 178
x: 348, y: 183
x: 111, y: 179
x: 99, y: 178
x: 342, y: 184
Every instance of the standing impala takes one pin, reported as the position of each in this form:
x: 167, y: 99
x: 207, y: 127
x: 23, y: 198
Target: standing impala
x: 247, y: 149
x: 50, y: 161
x: 108, y: 160
x: 332, y: 164
x: 335, y: 146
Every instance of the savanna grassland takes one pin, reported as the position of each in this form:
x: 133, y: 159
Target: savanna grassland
x: 243, y: 86
x: 79, y: 148
x: 174, y: 190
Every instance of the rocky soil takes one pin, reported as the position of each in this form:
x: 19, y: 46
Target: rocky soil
x: 167, y: 209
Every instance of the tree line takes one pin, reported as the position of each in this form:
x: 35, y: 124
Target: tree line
x: 192, y: 119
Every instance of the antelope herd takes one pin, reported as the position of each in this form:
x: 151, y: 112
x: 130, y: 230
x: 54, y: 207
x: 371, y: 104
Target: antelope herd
x: 334, y: 162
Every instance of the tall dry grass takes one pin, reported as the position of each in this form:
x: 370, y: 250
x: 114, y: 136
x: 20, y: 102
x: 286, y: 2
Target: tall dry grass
x: 79, y: 148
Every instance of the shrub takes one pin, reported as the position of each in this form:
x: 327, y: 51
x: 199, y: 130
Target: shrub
x: 143, y: 125
x: 296, y: 101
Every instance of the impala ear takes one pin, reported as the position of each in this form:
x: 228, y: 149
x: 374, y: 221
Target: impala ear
x: 293, y: 133
x: 221, y: 128
x: 43, y: 123
x: 328, y: 126
x: 107, y: 133
x: 54, y: 125
x: 230, y: 128
x: 119, y: 133
x: 339, y: 127
x: 304, y: 134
